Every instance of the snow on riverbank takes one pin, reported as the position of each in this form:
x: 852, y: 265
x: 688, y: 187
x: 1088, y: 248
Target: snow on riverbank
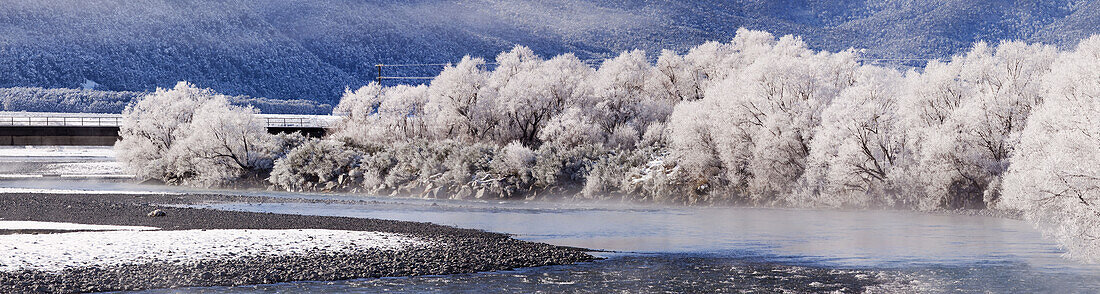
x: 85, y: 168
x: 9, y: 190
x: 54, y: 252
x: 57, y: 151
x: 33, y: 225
x: 66, y: 161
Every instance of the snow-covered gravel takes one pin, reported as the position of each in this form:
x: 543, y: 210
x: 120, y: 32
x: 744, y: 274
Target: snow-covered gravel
x: 10, y: 190
x: 53, y: 226
x: 55, y: 252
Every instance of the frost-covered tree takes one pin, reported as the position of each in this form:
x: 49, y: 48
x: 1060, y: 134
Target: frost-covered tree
x: 858, y: 152
x: 695, y: 149
x: 194, y: 136
x: 571, y: 128
x: 545, y: 89
x: 152, y: 126
x: 459, y: 106
x: 620, y: 104
x: 521, y: 108
x: 224, y: 143
x: 1055, y: 173
x: 376, y: 115
x: 968, y: 114
x: 686, y: 77
x: 764, y: 116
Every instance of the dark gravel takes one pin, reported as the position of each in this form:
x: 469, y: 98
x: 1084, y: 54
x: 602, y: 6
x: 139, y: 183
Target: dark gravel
x: 463, y: 250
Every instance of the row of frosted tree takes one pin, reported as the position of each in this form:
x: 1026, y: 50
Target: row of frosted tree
x: 756, y: 121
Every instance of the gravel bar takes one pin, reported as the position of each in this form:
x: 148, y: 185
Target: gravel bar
x: 458, y: 250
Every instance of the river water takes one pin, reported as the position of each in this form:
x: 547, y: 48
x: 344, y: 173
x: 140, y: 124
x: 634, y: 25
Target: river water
x: 686, y: 249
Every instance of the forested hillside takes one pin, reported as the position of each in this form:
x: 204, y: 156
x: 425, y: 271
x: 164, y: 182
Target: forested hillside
x: 299, y: 49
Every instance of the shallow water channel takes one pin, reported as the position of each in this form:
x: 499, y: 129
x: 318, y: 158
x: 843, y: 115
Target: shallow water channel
x: 685, y: 249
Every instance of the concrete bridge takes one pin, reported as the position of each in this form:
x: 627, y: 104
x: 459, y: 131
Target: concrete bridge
x: 91, y: 129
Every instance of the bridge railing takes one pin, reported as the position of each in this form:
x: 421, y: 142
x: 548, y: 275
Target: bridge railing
x: 289, y: 122
x: 116, y: 121
x: 60, y: 121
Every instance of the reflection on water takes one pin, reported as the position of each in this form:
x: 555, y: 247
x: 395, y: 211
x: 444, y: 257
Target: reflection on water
x: 711, y: 249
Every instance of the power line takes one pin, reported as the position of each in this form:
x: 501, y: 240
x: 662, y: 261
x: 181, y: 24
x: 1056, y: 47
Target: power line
x: 413, y: 64
x: 381, y: 77
x: 405, y: 78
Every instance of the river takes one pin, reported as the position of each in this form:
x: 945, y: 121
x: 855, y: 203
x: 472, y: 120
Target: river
x: 703, y: 249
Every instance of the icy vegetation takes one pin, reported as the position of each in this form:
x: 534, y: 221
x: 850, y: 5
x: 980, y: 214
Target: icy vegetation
x: 194, y: 136
x: 759, y: 120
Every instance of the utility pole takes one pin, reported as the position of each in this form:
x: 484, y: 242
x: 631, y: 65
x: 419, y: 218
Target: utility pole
x: 379, y: 78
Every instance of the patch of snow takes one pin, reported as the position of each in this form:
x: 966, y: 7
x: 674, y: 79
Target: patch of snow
x: 33, y: 225
x: 89, y: 85
x: 90, y: 192
x: 18, y: 177
x: 56, y: 151
x: 54, y: 252
x: 84, y: 168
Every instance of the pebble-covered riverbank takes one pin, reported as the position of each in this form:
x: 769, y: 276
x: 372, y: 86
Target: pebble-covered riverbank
x: 450, y: 250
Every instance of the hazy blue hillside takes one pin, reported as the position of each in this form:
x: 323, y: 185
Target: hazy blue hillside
x: 313, y: 49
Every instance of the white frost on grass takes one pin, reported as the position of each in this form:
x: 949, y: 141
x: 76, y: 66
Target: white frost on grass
x: 55, y: 252
x: 33, y: 225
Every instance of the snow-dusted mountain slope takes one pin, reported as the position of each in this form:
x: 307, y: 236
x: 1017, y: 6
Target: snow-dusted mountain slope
x: 313, y: 49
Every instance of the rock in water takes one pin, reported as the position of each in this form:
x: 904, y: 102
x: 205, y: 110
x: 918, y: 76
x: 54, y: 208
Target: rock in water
x: 156, y: 213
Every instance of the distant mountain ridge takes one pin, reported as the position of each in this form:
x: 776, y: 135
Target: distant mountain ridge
x: 314, y: 49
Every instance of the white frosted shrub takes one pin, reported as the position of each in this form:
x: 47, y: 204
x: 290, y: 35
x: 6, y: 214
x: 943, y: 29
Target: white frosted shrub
x: 468, y: 163
x: 514, y: 158
x: 623, y: 137
x: 571, y: 128
x: 607, y: 176
x: 375, y: 168
x: 564, y: 167
x: 316, y: 164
